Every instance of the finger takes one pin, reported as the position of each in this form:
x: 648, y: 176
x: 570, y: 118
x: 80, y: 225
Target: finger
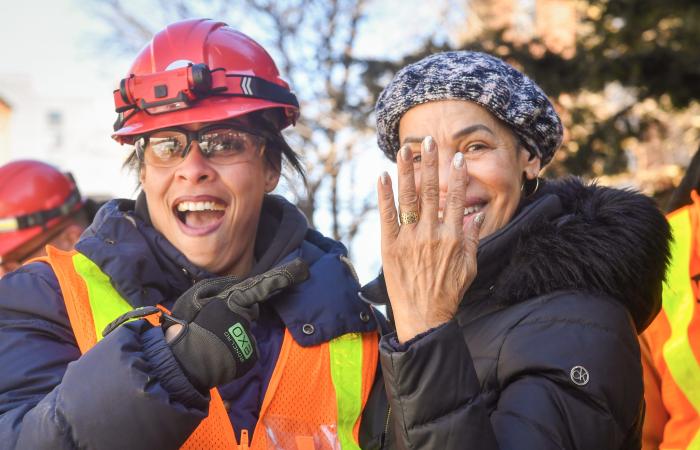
x: 387, y: 210
x: 408, y: 198
x: 188, y: 305
x: 430, y: 181
x: 295, y: 271
x: 471, y: 233
x: 456, y: 194
x: 261, y: 287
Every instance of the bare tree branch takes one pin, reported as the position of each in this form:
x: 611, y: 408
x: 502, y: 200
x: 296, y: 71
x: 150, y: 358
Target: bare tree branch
x: 313, y: 43
x: 126, y: 20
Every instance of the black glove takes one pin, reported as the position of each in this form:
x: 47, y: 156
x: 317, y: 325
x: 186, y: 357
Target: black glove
x: 216, y: 345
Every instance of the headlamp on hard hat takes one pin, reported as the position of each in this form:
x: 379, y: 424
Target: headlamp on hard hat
x: 179, y: 88
x: 164, y: 91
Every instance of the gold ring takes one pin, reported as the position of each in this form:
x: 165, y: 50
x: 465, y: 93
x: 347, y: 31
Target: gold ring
x: 408, y: 217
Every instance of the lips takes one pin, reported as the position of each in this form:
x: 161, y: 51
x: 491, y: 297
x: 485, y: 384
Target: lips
x: 199, y: 215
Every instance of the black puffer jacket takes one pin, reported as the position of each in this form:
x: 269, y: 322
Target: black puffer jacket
x: 543, y: 352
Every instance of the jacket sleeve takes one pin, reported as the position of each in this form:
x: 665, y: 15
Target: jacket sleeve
x: 433, y: 391
x: 126, y: 392
x: 530, y: 400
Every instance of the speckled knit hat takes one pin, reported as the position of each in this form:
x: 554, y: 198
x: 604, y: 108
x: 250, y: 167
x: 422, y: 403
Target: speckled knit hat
x: 484, y: 79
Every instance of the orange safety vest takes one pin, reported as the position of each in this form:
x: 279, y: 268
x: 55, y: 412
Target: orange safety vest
x: 671, y: 345
x: 315, y: 396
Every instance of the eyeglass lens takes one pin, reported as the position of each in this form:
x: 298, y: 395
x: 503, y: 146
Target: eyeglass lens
x: 220, y: 145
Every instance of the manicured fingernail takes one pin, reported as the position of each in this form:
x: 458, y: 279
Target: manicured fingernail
x: 428, y: 144
x: 458, y: 160
x: 479, y: 219
x: 384, y: 178
x: 406, y: 153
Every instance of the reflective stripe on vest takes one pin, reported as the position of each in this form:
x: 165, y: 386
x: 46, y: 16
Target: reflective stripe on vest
x: 678, y: 305
x: 337, y: 375
x: 345, y: 362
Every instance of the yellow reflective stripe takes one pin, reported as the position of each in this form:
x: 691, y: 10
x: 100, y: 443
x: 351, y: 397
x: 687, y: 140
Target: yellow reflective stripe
x: 8, y: 225
x: 105, y: 302
x: 346, y: 373
x: 679, y: 304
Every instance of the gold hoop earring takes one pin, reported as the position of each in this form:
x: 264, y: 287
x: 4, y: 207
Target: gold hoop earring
x: 529, y: 192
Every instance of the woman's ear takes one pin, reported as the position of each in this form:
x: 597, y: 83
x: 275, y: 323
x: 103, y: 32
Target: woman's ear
x: 142, y: 173
x: 531, y: 164
x: 272, y: 176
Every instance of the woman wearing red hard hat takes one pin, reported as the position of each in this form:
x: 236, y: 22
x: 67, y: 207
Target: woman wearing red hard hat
x: 205, y: 314
x: 39, y: 205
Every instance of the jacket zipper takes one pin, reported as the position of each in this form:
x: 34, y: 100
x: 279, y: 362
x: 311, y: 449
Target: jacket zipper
x: 386, y: 427
x: 244, y: 440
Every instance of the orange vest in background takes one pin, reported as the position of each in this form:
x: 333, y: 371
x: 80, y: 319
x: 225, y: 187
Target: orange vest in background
x: 671, y: 345
x: 315, y: 396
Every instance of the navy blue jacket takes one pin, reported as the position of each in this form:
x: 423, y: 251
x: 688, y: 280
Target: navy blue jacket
x: 128, y: 391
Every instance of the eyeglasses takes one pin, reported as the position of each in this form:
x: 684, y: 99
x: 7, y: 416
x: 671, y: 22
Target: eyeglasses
x: 220, y: 144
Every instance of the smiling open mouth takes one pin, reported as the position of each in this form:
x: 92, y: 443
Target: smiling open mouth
x: 200, y: 214
x: 467, y: 211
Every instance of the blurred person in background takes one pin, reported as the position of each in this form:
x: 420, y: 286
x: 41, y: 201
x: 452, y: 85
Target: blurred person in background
x: 39, y: 206
x: 227, y: 321
x: 517, y: 301
x: 671, y: 344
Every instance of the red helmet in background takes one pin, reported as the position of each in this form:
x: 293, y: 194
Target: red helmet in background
x: 34, y: 198
x: 199, y: 70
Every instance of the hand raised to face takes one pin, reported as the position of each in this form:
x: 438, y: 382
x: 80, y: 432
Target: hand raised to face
x: 428, y: 263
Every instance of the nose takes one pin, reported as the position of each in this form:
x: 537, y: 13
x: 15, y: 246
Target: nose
x: 195, y: 168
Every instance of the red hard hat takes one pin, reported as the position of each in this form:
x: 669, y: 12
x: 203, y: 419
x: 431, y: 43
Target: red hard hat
x: 197, y: 71
x: 34, y: 197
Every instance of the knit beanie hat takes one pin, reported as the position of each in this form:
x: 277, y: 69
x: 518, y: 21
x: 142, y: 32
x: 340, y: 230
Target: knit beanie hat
x: 484, y: 79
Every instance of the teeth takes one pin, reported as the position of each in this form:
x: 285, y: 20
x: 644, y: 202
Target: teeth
x: 467, y: 211
x: 200, y: 206
x: 472, y: 209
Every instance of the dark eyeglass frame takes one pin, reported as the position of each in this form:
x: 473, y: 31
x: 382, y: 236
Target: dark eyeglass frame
x: 141, y: 141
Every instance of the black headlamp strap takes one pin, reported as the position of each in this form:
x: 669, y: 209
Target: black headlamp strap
x: 247, y: 86
x: 181, y: 92
x: 40, y: 218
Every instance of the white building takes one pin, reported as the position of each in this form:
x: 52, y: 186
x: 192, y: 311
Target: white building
x: 70, y: 129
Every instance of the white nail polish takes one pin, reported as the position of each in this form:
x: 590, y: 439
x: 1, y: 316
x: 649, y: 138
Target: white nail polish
x: 384, y: 178
x: 428, y: 144
x: 458, y: 160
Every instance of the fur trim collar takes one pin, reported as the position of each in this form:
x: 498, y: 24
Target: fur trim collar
x: 580, y: 236
x: 571, y: 236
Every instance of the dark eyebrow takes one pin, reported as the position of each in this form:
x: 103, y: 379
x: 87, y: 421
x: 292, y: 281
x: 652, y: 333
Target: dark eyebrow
x: 460, y: 133
x: 412, y: 140
x: 472, y: 129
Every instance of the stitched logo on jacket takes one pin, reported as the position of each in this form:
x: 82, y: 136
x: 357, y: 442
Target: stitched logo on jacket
x: 579, y: 375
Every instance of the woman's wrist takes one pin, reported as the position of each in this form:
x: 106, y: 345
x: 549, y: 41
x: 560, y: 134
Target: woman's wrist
x: 412, y: 324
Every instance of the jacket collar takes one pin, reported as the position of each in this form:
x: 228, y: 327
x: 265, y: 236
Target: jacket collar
x: 581, y: 237
x: 146, y: 269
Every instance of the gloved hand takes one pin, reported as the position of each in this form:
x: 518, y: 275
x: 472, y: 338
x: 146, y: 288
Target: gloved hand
x: 215, y: 345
